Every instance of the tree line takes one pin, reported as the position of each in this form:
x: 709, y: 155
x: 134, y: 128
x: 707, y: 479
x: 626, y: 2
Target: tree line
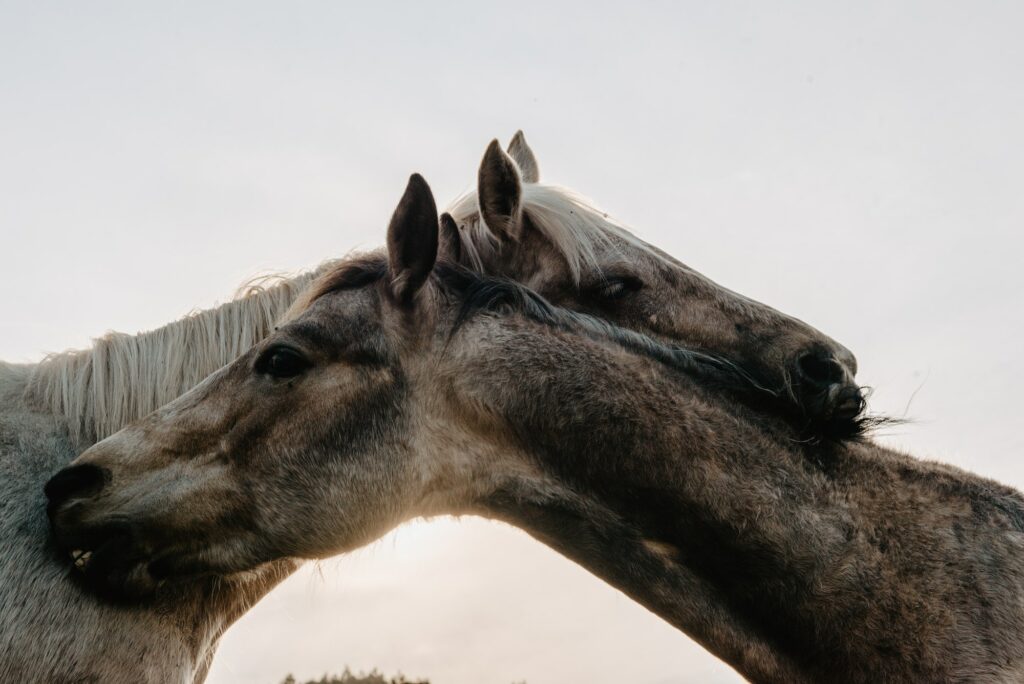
x: 348, y: 677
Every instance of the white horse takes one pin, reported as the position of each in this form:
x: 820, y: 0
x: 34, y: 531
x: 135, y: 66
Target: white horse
x: 50, y: 629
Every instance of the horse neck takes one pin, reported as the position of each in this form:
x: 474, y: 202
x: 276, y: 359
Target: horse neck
x: 614, y: 460
x: 769, y: 552
x: 121, y: 378
x: 618, y: 551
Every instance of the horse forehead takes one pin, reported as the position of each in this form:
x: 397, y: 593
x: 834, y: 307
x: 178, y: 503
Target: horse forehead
x: 322, y: 328
x: 336, y: 314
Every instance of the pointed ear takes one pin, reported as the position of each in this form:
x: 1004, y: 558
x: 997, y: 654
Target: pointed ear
x: 524, y: 158
x: 412, y: 240
x: 449, y: 246
x: 499, y: 191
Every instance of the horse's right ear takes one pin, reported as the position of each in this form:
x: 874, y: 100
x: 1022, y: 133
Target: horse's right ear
x: 524, y: 158
x: 499, y: 192
x: 412, y: 240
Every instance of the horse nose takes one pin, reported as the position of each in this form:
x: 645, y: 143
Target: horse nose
x: 825, y: 378
x: 83, y: 480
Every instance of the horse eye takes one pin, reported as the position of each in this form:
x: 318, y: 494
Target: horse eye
x: 282, y: 362
x: 618, y: 287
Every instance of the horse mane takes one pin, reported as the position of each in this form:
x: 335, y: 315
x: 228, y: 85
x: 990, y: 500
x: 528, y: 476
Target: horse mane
x: 475, y: 292
x: 573, y: 225
x: 123, y: 377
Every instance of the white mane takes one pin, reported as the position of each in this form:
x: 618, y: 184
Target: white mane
x: 570, y: 222
x: 124, y: 377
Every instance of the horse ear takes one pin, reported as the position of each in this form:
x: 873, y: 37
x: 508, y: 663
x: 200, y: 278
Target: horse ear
x: 412, y: 240
x: 450, y: 242
x: 524, y: 158
x: 499, y: 191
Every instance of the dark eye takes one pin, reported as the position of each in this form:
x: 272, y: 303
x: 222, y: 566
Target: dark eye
x: 282, y: 362
x: 617, y: 287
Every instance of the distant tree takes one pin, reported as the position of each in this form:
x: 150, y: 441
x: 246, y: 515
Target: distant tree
x: 348, y: 677
x: 371, y: 677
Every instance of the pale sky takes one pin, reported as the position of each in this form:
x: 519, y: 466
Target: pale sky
x: 858, y: 165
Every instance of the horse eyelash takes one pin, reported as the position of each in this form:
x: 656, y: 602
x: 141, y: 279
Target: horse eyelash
x: 616, y: 287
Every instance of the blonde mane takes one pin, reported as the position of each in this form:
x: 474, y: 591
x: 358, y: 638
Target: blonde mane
x: 576, y: 228
x: 123, y: 377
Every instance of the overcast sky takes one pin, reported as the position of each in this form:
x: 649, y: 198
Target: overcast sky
x: 858, y: 165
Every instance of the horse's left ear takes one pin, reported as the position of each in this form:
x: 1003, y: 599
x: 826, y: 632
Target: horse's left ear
x: 412, y: 240
x: 499, y: 192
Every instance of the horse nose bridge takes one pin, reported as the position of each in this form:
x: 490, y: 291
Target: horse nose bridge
x: 823, y: 348
x: 798, y: 339
x: 847, y: 360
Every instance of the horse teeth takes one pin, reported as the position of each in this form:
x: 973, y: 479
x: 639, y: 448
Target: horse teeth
x: 81, y: 558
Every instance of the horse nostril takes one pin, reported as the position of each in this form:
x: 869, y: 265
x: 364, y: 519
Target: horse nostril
x: 79, y: 480
x: 820, y: 370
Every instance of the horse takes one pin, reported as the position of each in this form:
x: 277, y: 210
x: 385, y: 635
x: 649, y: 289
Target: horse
x: 53, y: 410
x: 403, y: 385
x: 562, y: 246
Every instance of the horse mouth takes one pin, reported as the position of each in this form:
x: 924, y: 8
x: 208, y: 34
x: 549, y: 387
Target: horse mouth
x: 847, y: 402
x: 837, y: 412
x: 123, y: 573
x: 110, y: 567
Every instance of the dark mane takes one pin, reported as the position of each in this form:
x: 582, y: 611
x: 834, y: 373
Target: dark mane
x: 479, y: 293
x: 475, y: 293
x: 489, y: 294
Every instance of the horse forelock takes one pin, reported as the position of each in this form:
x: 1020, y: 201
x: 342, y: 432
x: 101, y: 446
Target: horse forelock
x: 355, y: 271
x: 571, y: 223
